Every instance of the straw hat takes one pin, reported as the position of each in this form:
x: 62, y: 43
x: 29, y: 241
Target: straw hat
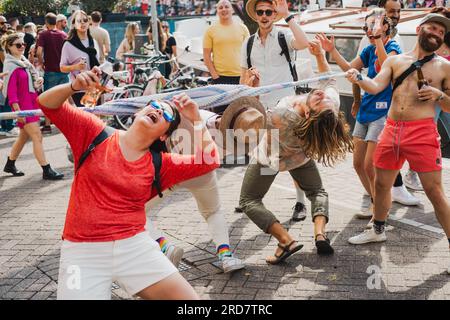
x: 245, y: 113
x: 251, y: 10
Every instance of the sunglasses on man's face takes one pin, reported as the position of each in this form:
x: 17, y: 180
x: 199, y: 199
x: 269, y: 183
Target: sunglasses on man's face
x: 267, y: 12
x: 169, y: 117
x: 19, y: 45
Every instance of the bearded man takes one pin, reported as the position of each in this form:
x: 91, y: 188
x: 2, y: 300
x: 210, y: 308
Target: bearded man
x: 410, y: 132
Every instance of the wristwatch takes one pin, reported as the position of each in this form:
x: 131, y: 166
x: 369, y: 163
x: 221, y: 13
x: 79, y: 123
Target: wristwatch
x: 359, y: 77
x: 289, y: 18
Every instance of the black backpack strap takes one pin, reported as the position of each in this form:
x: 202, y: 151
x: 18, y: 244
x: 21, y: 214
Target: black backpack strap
x: 413, y: 67
x: 157, y: 163
x: 284, y: 50
x: 250, y: 41
x: 102, y: 136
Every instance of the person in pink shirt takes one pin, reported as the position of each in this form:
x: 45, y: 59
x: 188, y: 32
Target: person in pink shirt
x: 20, y: 89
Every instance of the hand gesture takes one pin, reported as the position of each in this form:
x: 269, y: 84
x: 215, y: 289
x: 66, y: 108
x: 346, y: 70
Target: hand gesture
x: 81, y: 66
x: 87, y: 79
x: 429, y: 93
x: 378, y: 27
x: 315, y: 48
x: 187, y: 107
x: 281, y: 7
x: 252, y: 77
x: 352, y: 75
x: 327, y: 44
x: 38, y: 83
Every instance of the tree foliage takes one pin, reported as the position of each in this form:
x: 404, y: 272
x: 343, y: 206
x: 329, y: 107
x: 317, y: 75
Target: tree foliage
x: 32, y: 7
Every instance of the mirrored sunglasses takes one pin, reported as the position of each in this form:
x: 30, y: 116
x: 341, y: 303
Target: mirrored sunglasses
x: 169, y: 117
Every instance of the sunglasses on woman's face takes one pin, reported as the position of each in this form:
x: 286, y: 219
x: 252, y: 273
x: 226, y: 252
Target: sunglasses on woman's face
x: 19, y: 45
x: 169, y: 117
x: 85, y: 20
x: 268, y: 13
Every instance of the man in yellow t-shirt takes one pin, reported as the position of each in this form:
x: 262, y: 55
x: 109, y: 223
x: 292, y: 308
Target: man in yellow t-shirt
x: 222, y: 46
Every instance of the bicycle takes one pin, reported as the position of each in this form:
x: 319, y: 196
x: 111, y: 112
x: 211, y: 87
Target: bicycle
x: 149, y: 81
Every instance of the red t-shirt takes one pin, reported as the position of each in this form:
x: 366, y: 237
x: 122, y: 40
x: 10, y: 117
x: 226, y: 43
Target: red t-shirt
x: 108, y: 196
x: 52, y: 42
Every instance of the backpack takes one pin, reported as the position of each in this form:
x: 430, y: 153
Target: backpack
x: 102, y: 136
x: 284, y: 51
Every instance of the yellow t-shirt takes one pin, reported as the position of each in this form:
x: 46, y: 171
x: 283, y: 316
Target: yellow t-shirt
x: 226, y: 42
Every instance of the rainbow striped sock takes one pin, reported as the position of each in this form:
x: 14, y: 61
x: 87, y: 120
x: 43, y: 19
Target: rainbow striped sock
x: 224, y: 251
x: 163, y: 244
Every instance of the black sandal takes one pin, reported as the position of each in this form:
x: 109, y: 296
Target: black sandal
x: 286, y: 253
x: 323, y: 246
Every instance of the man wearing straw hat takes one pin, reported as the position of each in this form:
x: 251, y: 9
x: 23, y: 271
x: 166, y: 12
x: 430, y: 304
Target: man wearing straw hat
x: 262, y: 59
x: 241, y: 121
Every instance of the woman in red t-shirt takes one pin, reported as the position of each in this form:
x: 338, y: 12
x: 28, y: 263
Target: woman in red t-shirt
x: 104, y: 238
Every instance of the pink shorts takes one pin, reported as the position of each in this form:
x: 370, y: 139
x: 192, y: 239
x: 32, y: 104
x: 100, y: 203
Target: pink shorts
x: 416, y: 141
x: 27, y: 121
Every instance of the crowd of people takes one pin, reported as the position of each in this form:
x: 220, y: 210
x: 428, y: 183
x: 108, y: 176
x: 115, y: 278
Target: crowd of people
x: 110, y: 234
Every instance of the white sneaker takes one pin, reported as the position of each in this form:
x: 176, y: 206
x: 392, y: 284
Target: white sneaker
x: 232, y: 263
x: 412, y: 181
x: 174, y: 254
x: 365, y: 212
x: 403, y: 196
x: 14, y: 132
x: 368, y: 236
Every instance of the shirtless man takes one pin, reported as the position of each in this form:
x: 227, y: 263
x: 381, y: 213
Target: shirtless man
x: 410, y: 132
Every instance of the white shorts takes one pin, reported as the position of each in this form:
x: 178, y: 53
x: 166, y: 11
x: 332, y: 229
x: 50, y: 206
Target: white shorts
x: 88, y: 269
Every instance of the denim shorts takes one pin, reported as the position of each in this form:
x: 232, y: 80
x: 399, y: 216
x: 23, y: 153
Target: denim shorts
x: 369, y: 131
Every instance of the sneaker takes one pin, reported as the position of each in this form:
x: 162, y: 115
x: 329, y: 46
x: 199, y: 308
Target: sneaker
x: 232, y: 263
x: 368, y: 236
x: 412, y: 181
x: 365, y: 212
x: 299, y: 213
x: 2, y: 133
x: 403, y: 196
x: 14, y: 132
x: 46, y: 130
x: 174, y: 254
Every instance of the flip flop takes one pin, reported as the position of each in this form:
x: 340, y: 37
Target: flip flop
x: 323, y: 246
x: 286, y: 253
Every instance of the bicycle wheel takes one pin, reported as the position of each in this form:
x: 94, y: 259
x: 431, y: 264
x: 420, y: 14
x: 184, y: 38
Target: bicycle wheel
x: 124, y: 122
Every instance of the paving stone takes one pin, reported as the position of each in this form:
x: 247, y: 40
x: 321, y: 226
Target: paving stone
x: 413, y: 262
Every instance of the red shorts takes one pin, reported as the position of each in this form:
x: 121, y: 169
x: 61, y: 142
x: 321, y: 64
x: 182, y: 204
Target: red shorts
x: 416, y: 141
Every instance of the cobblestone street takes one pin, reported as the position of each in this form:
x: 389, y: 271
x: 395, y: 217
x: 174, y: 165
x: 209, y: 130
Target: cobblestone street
x: 412, y: 263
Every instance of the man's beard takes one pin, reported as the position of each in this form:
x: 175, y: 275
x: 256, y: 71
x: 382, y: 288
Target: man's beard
x: 426, y: 43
